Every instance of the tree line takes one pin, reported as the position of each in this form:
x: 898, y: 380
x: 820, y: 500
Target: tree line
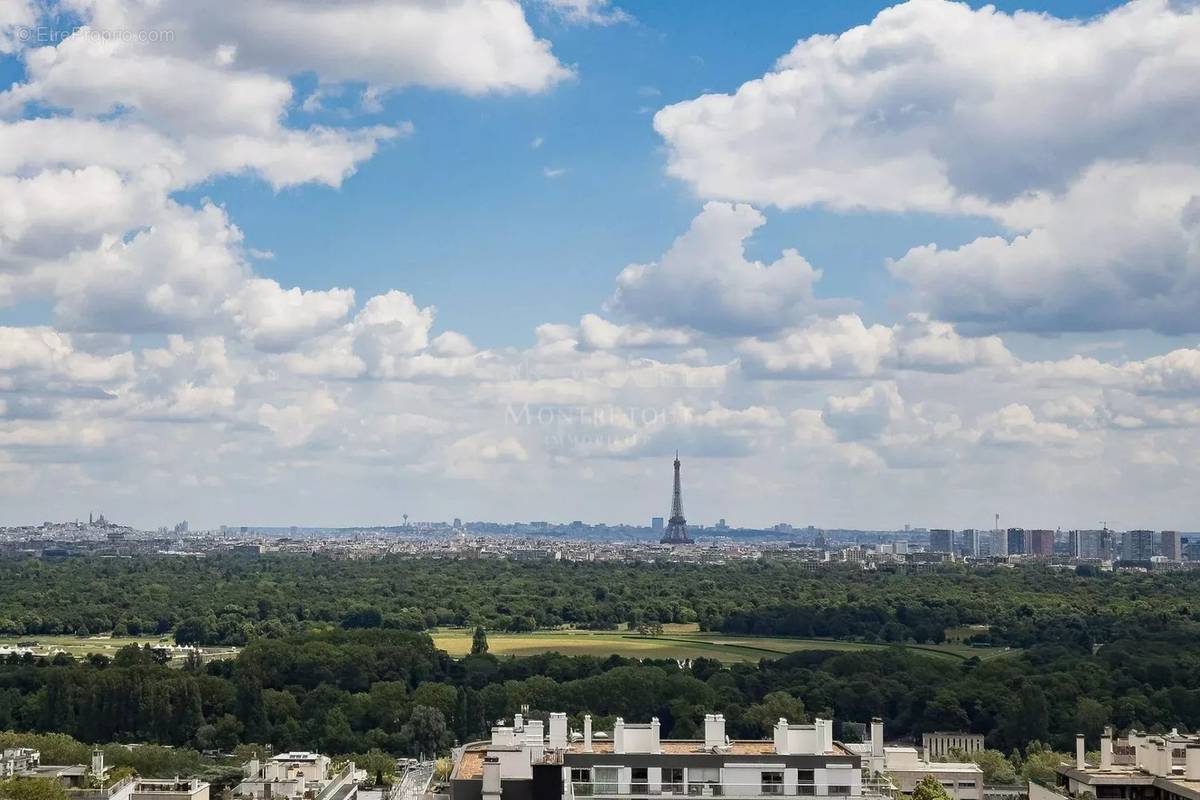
x: 232, y: 600
x: 390, y: 691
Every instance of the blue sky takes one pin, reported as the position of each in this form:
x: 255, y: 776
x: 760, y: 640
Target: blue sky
x: 462, y: 214
x: 1016, y: 279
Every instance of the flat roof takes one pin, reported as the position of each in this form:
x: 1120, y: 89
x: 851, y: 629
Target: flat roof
x: 1135, y: 776
x: 470, y: 764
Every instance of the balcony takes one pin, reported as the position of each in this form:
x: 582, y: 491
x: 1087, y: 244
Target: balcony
x: 601, y: 790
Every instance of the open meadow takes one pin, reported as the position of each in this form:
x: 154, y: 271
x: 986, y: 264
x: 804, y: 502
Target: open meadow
x: 675, y: 641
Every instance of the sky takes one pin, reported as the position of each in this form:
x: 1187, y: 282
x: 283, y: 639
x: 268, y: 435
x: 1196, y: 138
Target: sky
x: 861, y: 264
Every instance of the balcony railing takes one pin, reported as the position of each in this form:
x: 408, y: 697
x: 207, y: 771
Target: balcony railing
x: 641, y: 790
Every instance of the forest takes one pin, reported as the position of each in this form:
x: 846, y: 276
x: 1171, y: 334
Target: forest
x: 335, y: 656
x: 233, y: 600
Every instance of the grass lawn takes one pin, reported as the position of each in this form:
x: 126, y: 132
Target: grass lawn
x: 676, y: 641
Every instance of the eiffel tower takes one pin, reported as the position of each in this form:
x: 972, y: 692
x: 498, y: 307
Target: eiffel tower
x: 676, y: 532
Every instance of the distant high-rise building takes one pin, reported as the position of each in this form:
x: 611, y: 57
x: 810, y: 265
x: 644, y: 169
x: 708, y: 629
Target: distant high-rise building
x: 1016, y: 542
x: 1170, y: 546
x: 970, y: 542
x: 1092, y: 544
x: 457, y: 522
x: 941, y: 540
x: 676, y: 532
x: 999, y: 542
x: 1040, y: 543
x: 656, y: 523
x: 1138, y: 545
x: 721, y: 525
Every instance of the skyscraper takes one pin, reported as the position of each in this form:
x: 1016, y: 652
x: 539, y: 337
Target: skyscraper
x: 941, y: 540
x: 676, y: 526
x: 1017, y: 542
x: 1040, y: 543
x: 1138, y: 545
x: 1090, y: 544
x: 1171, y: 546
x: 970, y: 542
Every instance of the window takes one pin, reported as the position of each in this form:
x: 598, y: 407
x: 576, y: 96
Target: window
x: 639, y: 780
x: 606, y: 780
x: 581, y: 782
x: 672, y: 780
x: 772, y: 783
x: 704, y: 780
x: 805, y: 779
x: 839, y: 790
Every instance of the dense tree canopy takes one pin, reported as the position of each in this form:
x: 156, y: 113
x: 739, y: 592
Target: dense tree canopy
x: 334, y: 658
x: 232, y: 599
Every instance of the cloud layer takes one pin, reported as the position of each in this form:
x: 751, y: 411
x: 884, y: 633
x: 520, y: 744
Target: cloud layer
x: 169, y: 374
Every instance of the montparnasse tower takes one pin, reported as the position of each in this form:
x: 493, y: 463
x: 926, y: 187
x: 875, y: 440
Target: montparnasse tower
x: 676, y: 532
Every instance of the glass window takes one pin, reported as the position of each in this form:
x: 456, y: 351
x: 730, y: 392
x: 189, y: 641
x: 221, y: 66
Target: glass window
x: 639, y: 780
x: 606, y: 780
x: 672, y: 780
x: 805, y: 782
x: 772, y: 783
x: 702, y: 780
x: 581, y: 782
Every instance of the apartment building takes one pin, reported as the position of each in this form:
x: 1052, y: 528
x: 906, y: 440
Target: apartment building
x: 1040, y: 543
x: 905, y: 766
x: 942, y: 744
x: 1139, y: 546
x: 1165, y: 767
x: 15, y: 760
x: 1092, y: 545
x: 1170, y: 545
x: 169, y: 789
x: 941, y: 540
x: 294, y: 776
x: 633, y: 762
x: 83, y: 782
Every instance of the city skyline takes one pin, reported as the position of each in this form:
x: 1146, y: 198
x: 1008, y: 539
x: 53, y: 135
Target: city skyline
x: 842, y: 256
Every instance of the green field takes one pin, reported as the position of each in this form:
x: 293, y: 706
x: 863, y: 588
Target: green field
x: 81, y: 646
x: 676, y: 641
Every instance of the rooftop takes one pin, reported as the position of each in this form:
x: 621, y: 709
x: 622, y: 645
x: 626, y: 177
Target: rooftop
x: 470, y: 765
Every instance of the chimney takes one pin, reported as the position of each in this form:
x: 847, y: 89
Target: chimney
x: 98, y: 763
x: 877, y: 737
x: 1080, y: 757
x: 535, y: 739
x: 824, y: 728
x: 655, y: 735
x: 558, y: 731
x: 1191, y: 769
x: 491, y: 778
x: 1152, y: 755
x: 1106, y: 748
x: 619, y: 736
x: 781, y: 737
x: 587, y: 733
x: 518, y: 722
x: 714, y: 731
